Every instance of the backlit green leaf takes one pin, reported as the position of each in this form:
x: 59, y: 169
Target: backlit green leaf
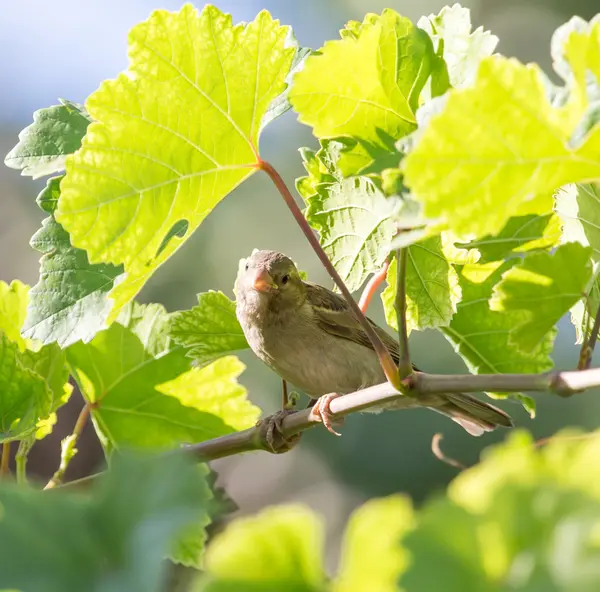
x: 44, y: 145
x: 365, y: 86
x: 279, y: 549
x: 144, y: 392
x: 372, y: 556
x: 500, y: 148
x: 70, y: 301
x: 210, y: 329
x: 172, y: 136
x: 432, y: 287
x: 544, y: 286
x: 482, y: 337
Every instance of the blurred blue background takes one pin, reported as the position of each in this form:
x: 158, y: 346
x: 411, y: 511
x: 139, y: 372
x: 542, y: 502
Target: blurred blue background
x: 65, y: 48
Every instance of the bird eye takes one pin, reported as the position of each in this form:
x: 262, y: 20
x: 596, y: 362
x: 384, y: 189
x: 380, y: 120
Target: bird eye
x: 284, y: 279
x: 246, y: 267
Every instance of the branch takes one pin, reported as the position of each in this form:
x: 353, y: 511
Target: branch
x: 371, y: 287
x: 385, y: 359
x: 68, y: 450
x: 404, y: 365
x: 253, y: 439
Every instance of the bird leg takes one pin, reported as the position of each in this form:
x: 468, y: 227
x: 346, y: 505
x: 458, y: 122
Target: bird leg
x: 271, y: 432
x: 322, y: 412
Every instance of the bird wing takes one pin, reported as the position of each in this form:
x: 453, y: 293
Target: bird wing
x: 335, y: 316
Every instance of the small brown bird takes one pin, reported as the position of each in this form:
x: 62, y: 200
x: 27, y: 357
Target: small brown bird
x: 312, y: 339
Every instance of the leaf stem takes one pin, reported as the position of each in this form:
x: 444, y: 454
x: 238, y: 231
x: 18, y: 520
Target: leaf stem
x: 385, y: 359
x: 68, y: 450
x: 404, y: 364
x: 371, y: 287
x: 587, y: 349
x: 4, y: 470
x: 21, y: 455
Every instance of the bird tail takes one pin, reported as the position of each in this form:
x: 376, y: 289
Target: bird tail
x: 475, y: 416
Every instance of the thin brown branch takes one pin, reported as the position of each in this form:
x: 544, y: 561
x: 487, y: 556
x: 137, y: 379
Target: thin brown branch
x: 68, y: 449
x: 437, y: 452
x: 404, y: 364
x: 5, y: 460
x: 587, y: 349
x: 387, y: 363
x: 253, y: 439
x: 371, y: 287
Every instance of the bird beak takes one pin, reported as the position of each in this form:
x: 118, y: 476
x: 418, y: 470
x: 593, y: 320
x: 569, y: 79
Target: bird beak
x: 263, y: 282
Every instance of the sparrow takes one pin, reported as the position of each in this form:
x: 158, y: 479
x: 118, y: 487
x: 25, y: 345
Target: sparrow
x: 311, y: 338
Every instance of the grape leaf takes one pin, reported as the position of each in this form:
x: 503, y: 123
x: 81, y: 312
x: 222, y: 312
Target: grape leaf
x: 544, y: 286
x: 432, y: 287
x: 114, y: 539
x: 172, y: 136
x: 482, y: 337
x: 33, y: 379
x: 144, y: 392
x: 578, y: 208
x: 44, y: 145
x: 500, y: 149
x: 279, y: 549
x: 521, y: 234
x: 210, y: 329
x: 463, y: 49
x: 354, y: 219
x: 365, y: 87
x: 372, y: 557
x: 70, y: 301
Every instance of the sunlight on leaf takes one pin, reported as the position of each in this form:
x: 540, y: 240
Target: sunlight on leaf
x: 544, y: 286
x: 172, y: 136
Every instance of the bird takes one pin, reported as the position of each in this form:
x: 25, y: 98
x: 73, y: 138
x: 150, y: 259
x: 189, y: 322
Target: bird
x: 311, y: 338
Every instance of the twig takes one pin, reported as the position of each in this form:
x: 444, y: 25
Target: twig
x: 252, y: 439
x: 404, y: 365
x: 5, y: 460
x: 587, y: 349
x: 21, y: 455
x: 371, y: 287
x: 437, y: 452
x: 385, y: 359
x: 68, y: 450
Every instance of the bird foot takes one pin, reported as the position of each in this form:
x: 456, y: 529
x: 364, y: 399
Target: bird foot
x: 322, y: 412
x: 271, y: 432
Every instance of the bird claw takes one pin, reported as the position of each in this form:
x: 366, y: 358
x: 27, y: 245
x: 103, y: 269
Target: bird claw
x: 271, y: 432
x: 322, y: 412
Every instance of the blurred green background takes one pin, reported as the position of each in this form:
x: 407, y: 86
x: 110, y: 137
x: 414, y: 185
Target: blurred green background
x: 65, y: 49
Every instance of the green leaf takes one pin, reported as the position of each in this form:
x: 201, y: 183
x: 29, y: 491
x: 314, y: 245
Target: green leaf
x: 279, y: 549
x: 544, y: 286
x: 482, y: 337
x: 33, y: 380
x: 462, y: 49
x: 578, y: 208
x: 521, y: 234
x: 365, y: 86
x: 44, y: 145
x: 474, y: 169
x: 144, y: 392
x: 354, y: 219
x: 70, y: 301
x: 172, y: 136
x: 13, y: 310
x: 432, y: 287
x: 114, y: 539
x: 372, y: 557
x: 210, y: 329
